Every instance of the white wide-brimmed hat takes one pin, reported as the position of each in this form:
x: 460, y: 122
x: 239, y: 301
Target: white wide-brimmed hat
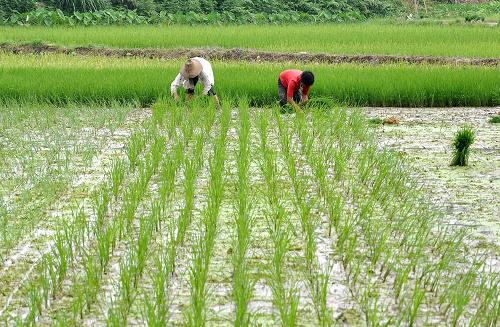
x: 191, y: 69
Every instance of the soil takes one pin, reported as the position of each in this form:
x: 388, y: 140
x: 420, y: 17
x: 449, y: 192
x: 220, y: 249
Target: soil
x: 248, y: 55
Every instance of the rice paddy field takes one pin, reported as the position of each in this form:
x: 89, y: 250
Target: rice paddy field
x: 122, y: 207
x: 360, y: 38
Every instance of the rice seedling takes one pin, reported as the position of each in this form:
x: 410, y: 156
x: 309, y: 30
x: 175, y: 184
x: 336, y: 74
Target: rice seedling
x: 117, y: 175
x: 461, y: 144
x: 494, y: 119
x: 135, y: 146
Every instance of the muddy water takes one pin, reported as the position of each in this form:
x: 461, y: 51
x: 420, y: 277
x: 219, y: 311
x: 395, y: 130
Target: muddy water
x: 469, y: 195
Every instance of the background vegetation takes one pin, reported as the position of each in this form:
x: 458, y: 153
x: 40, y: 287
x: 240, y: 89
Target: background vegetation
x: 193, y: 11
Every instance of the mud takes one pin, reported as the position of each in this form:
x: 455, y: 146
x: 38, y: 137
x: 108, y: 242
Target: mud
x: 469, y: 195
x: 248, y: 55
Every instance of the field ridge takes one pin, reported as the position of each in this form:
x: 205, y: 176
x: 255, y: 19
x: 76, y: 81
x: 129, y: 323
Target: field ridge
x: 249, y: 55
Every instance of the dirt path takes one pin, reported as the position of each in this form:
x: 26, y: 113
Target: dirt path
x: 469, y: 195
x: 248, y: 55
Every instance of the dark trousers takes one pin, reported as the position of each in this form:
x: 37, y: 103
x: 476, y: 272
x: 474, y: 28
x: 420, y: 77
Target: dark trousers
x: 282, y: 94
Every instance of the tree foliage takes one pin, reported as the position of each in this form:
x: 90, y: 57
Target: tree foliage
x: 236, y: 7
x: 8, y: 7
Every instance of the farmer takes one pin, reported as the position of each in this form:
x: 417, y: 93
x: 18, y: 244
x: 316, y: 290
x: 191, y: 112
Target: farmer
x: 195, y: 70
x: 293, y: 87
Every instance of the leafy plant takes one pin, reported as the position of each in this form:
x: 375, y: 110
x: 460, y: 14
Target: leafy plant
x: 463, y: 140
x: 474, y: 17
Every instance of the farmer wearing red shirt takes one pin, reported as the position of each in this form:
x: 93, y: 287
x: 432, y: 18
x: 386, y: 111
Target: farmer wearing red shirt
x: 293, y: 87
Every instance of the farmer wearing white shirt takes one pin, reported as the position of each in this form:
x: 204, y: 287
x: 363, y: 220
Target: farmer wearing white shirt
x: 195, y: 70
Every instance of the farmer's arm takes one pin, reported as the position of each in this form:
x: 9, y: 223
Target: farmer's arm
x: 175, y: 85
x: 305, y: 95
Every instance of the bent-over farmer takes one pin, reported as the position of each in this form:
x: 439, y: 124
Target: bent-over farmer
x: 195, y: 70
x: 293, y: 87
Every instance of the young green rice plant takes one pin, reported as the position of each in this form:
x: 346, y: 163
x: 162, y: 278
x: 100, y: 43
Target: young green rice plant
x: 92, y: 278
x: 463, y: 140
x: 486, y: 313
x: 104, y: 244
x: 117, y: 176
x: 135, y: 146
x: 158, y: 110
x: 318, y: 285
x: 157, y: 309
x: 416, y: 301
x: 35, y: 305
x: 157, y: 150
x: 62, y: 257
x: 101, y: 204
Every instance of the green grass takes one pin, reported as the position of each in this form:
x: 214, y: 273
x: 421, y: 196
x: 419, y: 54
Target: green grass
x: 362, y: 38
x: 59, y: 79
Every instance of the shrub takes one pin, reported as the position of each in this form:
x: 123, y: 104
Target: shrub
x: 9, y: 7
x: 142, y: 6
x: 473, y: 17
x: 463, y: 140
x: 70, y: 6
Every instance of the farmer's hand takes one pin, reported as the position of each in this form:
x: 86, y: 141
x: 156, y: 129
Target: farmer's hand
x: 217, y: 101
x: 176, y: 96
x: 294, y: 104
x: 304, y: 99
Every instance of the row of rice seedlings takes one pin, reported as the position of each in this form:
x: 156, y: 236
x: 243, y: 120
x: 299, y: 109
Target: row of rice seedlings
x: 195, y: 314
x: 285, y: 297
x: 72, y: 241
x: 317, y: 277
x: 191, y: 168
x: 155, y: 307
x: 242, y: 284
x: 132, y: 268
